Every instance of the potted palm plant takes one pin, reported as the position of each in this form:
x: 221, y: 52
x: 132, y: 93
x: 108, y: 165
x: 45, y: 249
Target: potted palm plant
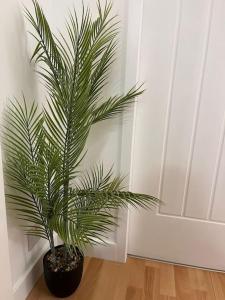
x: 45, y: 146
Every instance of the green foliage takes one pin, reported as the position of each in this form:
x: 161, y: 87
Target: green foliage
x: 44, y: 147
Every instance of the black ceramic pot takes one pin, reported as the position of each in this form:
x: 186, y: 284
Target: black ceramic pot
x: 63, y: 283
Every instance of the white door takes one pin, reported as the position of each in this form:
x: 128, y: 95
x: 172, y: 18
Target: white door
x: 178, y: 149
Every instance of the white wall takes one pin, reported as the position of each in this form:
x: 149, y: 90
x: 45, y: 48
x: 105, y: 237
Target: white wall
x: 5, y: 279
x: 16, y: 76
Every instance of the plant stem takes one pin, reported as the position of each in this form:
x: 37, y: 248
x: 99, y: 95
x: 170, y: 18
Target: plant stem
x: 52, y: 244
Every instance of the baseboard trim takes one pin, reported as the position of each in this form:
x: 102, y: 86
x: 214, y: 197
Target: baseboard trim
x: 175, y: 263
x: 27, y: 280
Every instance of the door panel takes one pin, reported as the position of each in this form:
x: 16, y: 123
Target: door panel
x: 179, y: 127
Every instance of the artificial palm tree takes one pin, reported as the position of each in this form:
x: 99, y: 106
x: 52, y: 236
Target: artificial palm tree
x: 45, y: 146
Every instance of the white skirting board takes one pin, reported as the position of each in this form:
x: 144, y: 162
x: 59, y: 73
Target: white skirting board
x: 27, y: 280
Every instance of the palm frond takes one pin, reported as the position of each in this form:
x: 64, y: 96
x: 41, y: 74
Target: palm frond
x: 91, y: 207
x: 46, y: 50
x: 105, y: 191
x: 115, y: 105
x: 28, y: 168
x: 83, y: 227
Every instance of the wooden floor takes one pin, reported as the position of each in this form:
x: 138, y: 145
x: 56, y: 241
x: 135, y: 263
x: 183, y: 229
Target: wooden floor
x: 141, y: 280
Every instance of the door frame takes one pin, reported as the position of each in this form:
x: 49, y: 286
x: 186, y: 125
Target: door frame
x: 131, y: 76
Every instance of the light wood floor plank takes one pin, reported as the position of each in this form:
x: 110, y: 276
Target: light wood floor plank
x: 201, y: 282
x: 167, y: 280
x: 152, y: 283
x: 141, y: 279
x: 218, y: 282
